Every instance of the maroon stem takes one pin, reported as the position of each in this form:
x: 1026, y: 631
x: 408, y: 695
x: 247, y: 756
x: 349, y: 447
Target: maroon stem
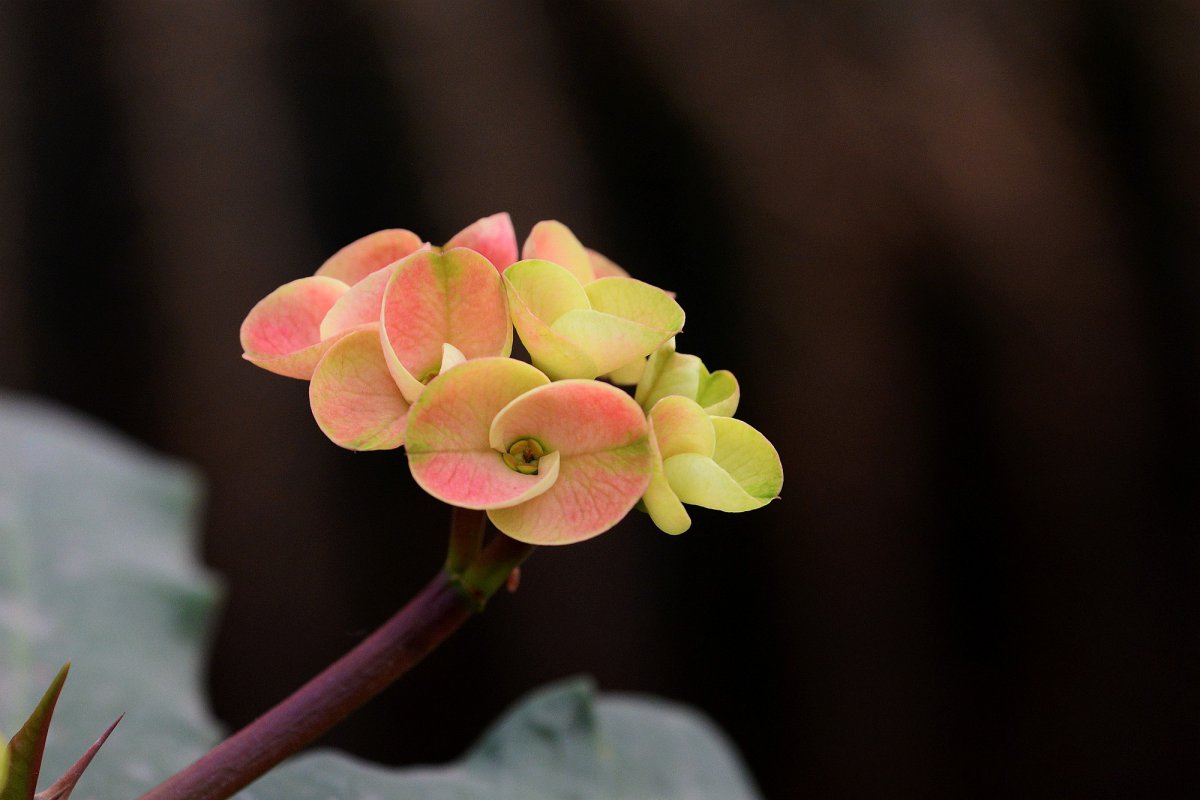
x: 415, y: 631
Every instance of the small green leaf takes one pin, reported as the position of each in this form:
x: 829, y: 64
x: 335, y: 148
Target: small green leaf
x: 26, y: 747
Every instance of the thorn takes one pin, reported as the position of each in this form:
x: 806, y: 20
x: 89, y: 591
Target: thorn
x: 62, y: 788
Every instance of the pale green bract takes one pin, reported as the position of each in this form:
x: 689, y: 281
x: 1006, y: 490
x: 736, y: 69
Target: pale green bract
x: 572, y: 330
x: 668, y: 372
x: 97, y: 539
x: 709, y: 461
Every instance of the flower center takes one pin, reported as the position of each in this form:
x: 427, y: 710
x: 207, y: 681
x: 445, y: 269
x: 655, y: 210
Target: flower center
x: 523, y: 456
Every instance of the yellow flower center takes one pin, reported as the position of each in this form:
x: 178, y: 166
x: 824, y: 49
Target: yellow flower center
x: 523, y: 456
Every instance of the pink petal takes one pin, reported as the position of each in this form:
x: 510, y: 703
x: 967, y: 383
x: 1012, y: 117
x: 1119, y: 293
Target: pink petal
x: 353, y: 397
x: 359, y: 306
x: 572, y: 417
x: 550, y: 240
x: 447, y: 437
x: 603, y: 267
x: 480, y: 479
x: 434, y: 299
x: 282, y: 333
x: 593, y: 493
x: 372, y: 252
x: 493, y: 237
x: 601, y: 436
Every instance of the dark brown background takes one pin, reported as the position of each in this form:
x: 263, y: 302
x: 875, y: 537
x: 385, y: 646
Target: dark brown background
x: 949, y: 248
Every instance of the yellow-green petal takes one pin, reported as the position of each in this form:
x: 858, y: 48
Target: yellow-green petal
x: 638, y: 302
x: 669, y: 373
x: 451, y: 357
x: 681, y: 426
x: 577, y: 331
x: 627, y: 320
x: 547, y: 289
x: 749, y: 457
x: 629, y: 374
x: 743, y: 474
x: 660, y: 501
x: 719, y: 392
x: 540, y: 292
x: 609, y: 341
x: 656, y: 362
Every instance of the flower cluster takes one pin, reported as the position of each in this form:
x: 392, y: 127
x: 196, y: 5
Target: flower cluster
x: 406, y: 343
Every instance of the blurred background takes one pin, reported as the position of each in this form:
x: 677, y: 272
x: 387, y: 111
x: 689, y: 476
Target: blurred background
x: 948, y: 248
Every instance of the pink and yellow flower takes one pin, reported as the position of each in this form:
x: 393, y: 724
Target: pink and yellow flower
x: 379, y: 319
x: 552, y: 463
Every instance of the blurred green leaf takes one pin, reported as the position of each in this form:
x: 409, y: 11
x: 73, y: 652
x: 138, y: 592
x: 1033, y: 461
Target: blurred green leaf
x: 96, y: 564
x: 560, y: 743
